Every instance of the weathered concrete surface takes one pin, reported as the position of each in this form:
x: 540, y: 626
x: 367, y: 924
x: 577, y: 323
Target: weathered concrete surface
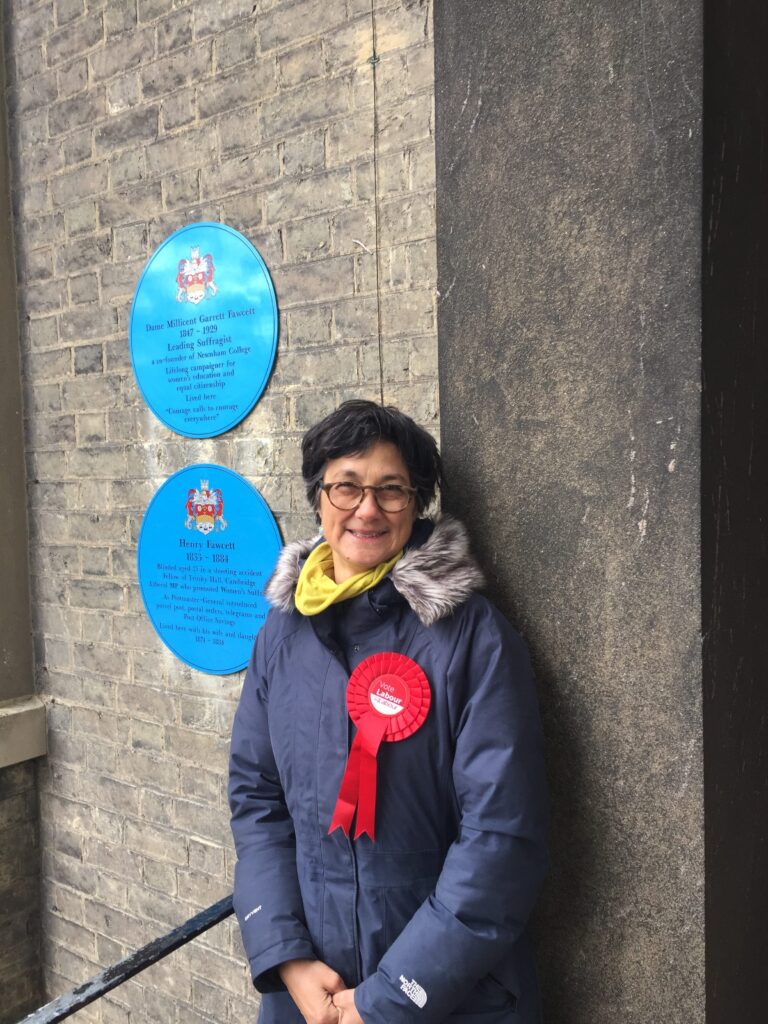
x: 568, y: 156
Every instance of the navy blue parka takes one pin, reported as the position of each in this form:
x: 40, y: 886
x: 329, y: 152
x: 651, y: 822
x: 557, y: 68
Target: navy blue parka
x: 427, y: 922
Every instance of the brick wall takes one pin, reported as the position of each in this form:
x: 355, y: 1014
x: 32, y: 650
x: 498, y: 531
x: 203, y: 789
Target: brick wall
x: 19, y: 869
x: 128, y: 119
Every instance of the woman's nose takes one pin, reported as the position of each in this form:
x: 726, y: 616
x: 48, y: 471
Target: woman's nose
x: 368, y: 506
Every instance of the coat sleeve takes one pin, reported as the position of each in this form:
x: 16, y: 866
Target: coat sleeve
x: 267, y: 898
x: 494, y: 869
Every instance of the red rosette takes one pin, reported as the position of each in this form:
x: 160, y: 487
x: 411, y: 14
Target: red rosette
x: 388, y: 699
x: 388, y: 678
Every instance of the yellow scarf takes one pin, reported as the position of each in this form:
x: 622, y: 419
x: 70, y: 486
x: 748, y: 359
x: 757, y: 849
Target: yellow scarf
x: 316, y: 588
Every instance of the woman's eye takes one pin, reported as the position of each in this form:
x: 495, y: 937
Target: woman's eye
x: 392, y: 491
x: 346, y: 490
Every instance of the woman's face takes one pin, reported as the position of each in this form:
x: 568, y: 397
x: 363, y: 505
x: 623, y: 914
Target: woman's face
x: 363, y: 537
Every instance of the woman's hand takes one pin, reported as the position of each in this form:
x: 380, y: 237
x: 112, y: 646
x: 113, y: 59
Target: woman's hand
x: 345, y: 1002
x: 312, y: 984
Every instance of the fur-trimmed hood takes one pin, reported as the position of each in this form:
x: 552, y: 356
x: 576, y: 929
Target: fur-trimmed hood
x: 435, y: 577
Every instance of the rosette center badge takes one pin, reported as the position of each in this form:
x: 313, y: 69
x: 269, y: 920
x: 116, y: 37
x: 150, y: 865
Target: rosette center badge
x: 203, y: 330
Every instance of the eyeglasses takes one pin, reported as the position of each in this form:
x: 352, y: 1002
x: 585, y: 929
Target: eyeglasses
x: 348, y: 496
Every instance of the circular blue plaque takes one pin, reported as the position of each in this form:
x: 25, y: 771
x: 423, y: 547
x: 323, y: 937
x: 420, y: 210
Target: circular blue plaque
x: 203, y: 329
x: 207, y: 547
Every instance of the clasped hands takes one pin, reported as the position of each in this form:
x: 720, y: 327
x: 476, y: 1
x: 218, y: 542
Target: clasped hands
x: 319, y: 992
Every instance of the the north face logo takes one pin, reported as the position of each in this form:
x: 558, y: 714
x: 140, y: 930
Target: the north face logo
x: 414, y: 991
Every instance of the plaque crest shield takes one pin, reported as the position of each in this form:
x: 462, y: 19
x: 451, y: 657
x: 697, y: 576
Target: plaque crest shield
x: 194, y: 277
x: 205, y: 509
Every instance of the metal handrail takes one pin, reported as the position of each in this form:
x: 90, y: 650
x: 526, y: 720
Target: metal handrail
x: 64, y: 1006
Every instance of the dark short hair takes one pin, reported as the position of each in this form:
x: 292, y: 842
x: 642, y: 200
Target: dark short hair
x: 353, y: 428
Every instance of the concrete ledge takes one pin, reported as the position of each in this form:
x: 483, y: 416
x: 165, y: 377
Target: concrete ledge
x: 22, y: 730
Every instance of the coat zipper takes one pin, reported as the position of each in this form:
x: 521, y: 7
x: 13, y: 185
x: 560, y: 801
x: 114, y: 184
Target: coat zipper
x: 355, y: 930
x: 336, y: 652
x: 356, y: 889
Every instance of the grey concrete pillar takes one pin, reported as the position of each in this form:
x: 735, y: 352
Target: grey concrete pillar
x: 15, y: 634
x: 22, y: 721
x: 569, y: 195
x: 22, y: 716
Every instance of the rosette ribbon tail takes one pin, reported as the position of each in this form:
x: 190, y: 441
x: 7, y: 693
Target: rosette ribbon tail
x: 371, y: 729
x: 358, y: 786
x: 346, y: 802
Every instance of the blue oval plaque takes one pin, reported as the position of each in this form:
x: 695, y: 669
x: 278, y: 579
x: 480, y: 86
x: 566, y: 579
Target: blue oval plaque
x: 203, y: 329
x: 207, y: 547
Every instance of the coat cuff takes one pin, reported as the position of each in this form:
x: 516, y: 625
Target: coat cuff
x: 266, y: 977
x: 419, y: 981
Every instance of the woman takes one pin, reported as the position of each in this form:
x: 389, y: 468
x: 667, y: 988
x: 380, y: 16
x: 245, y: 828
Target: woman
x: 423, y: 916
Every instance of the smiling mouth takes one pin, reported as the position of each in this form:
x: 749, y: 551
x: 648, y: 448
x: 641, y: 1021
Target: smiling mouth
x: 367, y: 534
